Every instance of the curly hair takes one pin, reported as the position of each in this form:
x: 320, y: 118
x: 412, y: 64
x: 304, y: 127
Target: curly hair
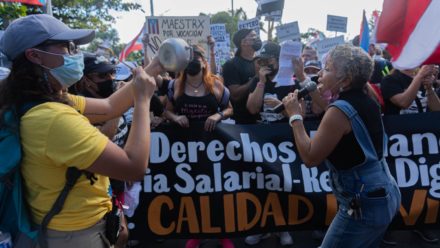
x: 27, y: 83
x: 351, y: 63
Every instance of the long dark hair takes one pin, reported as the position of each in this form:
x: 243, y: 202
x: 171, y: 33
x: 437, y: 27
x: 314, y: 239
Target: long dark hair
x: 27, y: 82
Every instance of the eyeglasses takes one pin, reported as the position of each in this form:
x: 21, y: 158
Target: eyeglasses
x: 72, y: 49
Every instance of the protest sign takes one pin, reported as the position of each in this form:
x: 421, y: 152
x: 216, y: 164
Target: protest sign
x: 323, y: 46
x: 271, y: 9
x: 222, y: 45
x: 193, y: 29
x: 253, y: 23
x: 288, y: 31
x: 245, y: 179
x: 337, y: 23
x: 289, y: 50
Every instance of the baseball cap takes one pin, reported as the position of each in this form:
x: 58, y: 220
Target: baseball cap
x: 97, y: 64
x: 31, y: 31
x: 123, y: 72
x: 312, y: 64
x: 240, y: 35
x: 269, y: 50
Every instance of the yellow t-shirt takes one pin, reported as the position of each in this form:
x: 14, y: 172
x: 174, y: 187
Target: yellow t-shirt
x: 55, y: 136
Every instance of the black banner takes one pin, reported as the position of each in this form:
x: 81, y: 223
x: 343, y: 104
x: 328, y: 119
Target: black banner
x: 244, y: 179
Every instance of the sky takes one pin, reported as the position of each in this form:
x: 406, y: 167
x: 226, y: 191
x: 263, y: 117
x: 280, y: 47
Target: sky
x: 308, y: 13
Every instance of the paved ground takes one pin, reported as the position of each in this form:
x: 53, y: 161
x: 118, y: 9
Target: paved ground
x: 405, y: 239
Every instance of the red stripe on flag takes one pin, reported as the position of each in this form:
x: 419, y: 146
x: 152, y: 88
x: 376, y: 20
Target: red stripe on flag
x: 397, y: 21
x: 434, y: 58
x: 132, y: 46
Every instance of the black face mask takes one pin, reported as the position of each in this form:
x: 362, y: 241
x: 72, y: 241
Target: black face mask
x: 257, y: 44
x: 194, y: 67
x: 106, y: 88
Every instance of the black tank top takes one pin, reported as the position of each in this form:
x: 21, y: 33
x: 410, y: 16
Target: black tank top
x: 348, y: 152
x: 196, y: 108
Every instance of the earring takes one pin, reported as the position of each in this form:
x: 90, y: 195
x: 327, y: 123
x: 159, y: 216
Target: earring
x: 341, y: 89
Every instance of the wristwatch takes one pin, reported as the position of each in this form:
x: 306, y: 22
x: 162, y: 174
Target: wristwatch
x: 221, y: 115
x: 294, y: 118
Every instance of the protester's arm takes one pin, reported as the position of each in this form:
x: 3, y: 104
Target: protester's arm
x: 101, y: 110
x: 211, y: 44
x: 169, y: 114
x: 109, y: 128
x: 330, y: 131
x: 131, y: 162
x: 403, y: 100
x: 298, y: 68
x: 225, y: 113
x: 145, y: 40
x: 256, y: 97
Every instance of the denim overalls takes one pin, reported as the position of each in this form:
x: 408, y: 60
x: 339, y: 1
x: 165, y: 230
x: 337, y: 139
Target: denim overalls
x: 367, y: 194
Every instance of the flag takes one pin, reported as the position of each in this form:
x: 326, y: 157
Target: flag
x: 271, y: 9
x: 375, y: 16
x: 132, y: 46
x: 30, y: 2
x: 364, y: 36
x: 412, y: 30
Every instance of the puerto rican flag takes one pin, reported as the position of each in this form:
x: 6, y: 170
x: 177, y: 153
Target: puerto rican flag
x: 132, y: 46
x: 412, y: 30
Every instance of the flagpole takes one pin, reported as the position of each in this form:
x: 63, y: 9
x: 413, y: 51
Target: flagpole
x: 48, y: 8
x: 152, y: 7
x: 232, y: 8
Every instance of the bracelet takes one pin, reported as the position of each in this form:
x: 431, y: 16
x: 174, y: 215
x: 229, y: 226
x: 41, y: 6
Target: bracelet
x: 261, y: 85
x: 294, y: 118
x: 221, y: 115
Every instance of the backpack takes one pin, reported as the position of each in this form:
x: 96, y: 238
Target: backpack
x: 14, y: 214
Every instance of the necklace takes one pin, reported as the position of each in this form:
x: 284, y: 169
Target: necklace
x: 196, y: 88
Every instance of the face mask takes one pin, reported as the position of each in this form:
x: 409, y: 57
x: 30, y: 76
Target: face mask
x: 106, y: 88
x: 194, y: 67
x: 257, y: 44
x: 70, y: 72
x: 273, y: 71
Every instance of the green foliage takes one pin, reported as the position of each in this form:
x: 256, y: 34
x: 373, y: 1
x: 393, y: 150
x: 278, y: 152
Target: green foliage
x: 231, y: 22
x: 10, y: 11
x: 111, y: 36
x: 93, y: 14
x: 135, y: 56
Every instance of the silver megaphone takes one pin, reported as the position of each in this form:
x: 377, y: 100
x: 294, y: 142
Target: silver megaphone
x: 175, y: 54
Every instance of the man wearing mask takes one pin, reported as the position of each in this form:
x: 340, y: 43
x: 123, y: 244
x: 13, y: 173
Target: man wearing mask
x: 239, y: 72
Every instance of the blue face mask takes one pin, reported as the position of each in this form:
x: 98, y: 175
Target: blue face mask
x: 70, y: 72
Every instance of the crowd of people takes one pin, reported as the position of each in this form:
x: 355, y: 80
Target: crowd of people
x: 95, y: 115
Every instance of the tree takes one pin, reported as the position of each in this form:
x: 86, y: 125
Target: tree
x: 311, y: 34
x: 10, y: 11
x: 93, y: 14
x: 111, y: 37
x: 230, y: 21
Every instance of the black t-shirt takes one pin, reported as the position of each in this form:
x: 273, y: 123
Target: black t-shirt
x: 196, y: 108
x: 348, y: 152
x: 381, y: 66
x: 397, y: 83
x: 270, y: 91
x: 238, y: 71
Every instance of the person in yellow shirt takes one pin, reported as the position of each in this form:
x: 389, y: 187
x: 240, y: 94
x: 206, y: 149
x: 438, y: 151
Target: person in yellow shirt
x: 58, y: 132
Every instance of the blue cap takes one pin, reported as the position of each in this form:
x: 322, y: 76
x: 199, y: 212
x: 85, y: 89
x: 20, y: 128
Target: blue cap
x: 33, y: 30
